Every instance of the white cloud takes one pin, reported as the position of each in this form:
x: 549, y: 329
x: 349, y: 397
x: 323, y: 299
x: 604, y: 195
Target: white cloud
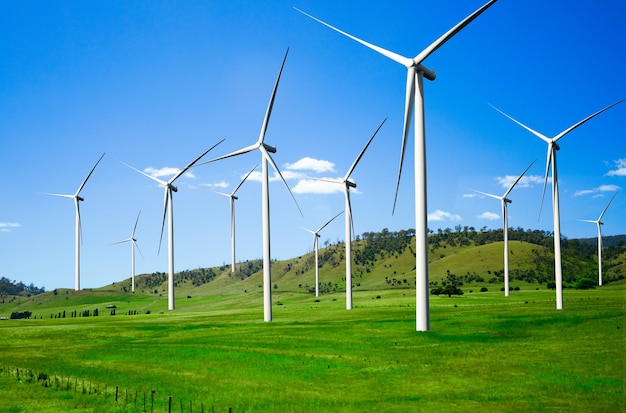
x: 440, y: 215
x: 490, y: 216
x: 620, y: 168
x: 526, y: 181
x: 599, y: 191
x: 165, y: 172
x: 8, y: 226
x: 311, y: 164
x: 314, y: 186
x: 220, y: 185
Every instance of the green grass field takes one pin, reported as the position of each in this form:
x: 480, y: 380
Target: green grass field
x: 484, y: 353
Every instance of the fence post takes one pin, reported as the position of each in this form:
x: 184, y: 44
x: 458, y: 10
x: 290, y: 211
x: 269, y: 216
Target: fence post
x: 152, y: 407
x: 116, y: 391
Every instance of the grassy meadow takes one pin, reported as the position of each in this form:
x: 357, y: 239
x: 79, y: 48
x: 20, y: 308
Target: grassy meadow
x: 484, y: 352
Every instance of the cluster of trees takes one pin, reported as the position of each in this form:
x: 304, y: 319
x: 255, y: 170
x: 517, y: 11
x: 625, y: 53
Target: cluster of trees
x: 381, y: 244
x: 9, y: 287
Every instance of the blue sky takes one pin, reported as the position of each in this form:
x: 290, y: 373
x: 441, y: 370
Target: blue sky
x: 155, y: 84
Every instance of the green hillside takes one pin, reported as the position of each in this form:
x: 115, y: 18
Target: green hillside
x: 381, y: 261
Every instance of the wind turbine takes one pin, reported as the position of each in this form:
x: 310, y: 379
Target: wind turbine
x: 599, y: 223
x: 551, y: 159
x: 505, y: 225
x: 414, y: 105
x: 232, y: 199
x: 133, y: 245
x: 77, y: 199
x: 347, y: 184
x: 168, y: 209
x: 265, y: 150
x: 316, y: 235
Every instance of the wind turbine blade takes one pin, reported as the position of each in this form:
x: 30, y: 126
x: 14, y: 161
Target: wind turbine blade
x: 588, y: 220
x: 80, y: 225
x: 137, y: 246
x: 157, y: 180
x: 59, y: 195
x: 606, y: 207
x: 391, y: 55
x: 244, y: 180
x: 450, y: 33
x: 223, y: 194
x: 182, y: 171
x: 270, y: 105
x: 356, y: 161
x: 534, y: 132
x: 271, y: 161
x: 135, y: 227
x: 329, y: 221
x: 545, y: 180
x: 350, y: 209
x: 121, y: 242
x: 571, y: 128
x: 234, y: 153
x: 167, y: 193
x: 80, y: 188
x: 518, y: 179
x: 308, y: 230
x: 486, y: 194
x: 408, y: 112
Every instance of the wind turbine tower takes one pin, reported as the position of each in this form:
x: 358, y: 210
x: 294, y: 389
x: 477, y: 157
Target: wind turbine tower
x: 133, y: 245
x: 414, y: 105
x: 504, y: 200
x: 599, y: 224
x: 265, y: 150
x: 556, y: 215
x: 232, y: 197
x: 168, y: 210
x: 316, y: 236
x: 77, y: 199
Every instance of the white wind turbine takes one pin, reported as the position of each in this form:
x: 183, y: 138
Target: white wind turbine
x: 316, y: 236
x: 77, y: 199
x: 505, y: 225
x: 347, y: 184
x: 168, y: 209
x: 133, y: 245
x: 599, y: 223
x: 265, y: 150
x: 414, y: 105
x: 551, y: 159
x: 232, y: 197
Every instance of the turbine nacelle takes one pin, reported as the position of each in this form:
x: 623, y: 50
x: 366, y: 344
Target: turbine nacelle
x: 79, y: 199
x: 270, y: 149
x: 350, y: 184
x: 507, y: 200
x: 428, y: 74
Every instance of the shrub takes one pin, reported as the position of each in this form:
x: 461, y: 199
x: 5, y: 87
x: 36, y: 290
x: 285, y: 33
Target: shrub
x: 585, y: 284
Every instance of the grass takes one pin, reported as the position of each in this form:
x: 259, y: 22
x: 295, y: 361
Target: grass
x: 484, y: 352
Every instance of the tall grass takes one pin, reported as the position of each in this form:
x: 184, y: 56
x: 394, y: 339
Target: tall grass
x: 484, y: 352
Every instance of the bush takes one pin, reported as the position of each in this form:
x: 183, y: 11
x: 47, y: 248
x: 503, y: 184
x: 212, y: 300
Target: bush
x: 484, y: 289
x: 585, y: 284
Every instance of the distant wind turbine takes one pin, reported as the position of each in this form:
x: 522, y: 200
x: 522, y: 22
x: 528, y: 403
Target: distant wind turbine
x: 168, y: 209
x: 599, y: 223
x: 265, y: 150
x: 133, y: 245
x: 414, y: 105
x: 347, y: 184
x: 505, y: 225
x: 232, y: 199
x: 77, y: 199
x: 551, y: 159
x: 316, y: 236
